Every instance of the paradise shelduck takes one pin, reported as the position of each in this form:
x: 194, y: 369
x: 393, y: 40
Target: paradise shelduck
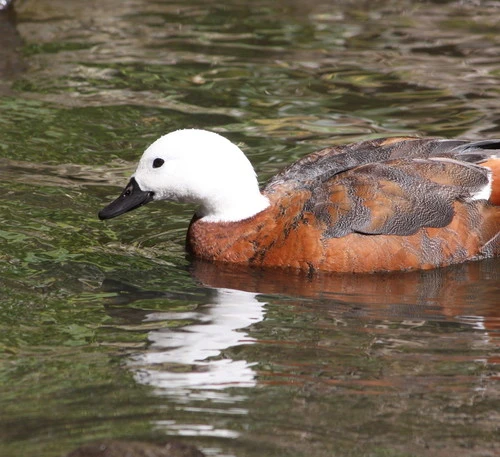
x: 378, y: 205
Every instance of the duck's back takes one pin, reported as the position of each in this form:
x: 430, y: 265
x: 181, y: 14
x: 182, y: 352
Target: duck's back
x: 328, y: 162
x: 386, y: 204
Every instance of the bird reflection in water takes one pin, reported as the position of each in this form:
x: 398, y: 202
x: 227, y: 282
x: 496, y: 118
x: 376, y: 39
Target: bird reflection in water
x: 193, y: 353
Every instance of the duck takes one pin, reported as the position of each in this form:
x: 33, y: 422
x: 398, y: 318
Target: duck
x: 386, y: 204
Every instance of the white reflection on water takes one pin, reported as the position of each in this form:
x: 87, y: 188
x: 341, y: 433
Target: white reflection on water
x: 191, y: 356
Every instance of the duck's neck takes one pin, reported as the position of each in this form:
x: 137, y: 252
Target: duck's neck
x: 233, y: 206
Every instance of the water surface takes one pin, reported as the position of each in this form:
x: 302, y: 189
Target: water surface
x: 108, y: 331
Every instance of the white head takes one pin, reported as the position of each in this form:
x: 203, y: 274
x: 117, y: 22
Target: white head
x: 204, y: 168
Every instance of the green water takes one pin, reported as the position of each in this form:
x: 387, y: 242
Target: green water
x: 108, y: 331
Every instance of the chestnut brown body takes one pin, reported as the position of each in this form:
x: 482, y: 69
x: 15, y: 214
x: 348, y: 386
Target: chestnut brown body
x: 381, y: 205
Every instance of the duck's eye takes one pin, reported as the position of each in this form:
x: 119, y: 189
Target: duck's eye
x: 157, y: 163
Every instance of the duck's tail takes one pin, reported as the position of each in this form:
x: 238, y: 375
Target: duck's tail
x: 493, y: 164
x: 485, y: 153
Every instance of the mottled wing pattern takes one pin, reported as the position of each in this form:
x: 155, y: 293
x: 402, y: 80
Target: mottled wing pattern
x: 393, y: 186
x: 327, y: 162
x: 396, y: 197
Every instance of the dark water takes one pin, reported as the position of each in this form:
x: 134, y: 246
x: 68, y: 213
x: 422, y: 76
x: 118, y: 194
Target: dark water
x: 107, y: 331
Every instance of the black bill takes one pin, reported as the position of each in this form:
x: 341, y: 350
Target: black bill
x: 132, y: 197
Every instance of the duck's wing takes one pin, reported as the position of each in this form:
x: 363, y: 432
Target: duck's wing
x: 392, y: 186
x: 328, y: 162
x: 396, y: 197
